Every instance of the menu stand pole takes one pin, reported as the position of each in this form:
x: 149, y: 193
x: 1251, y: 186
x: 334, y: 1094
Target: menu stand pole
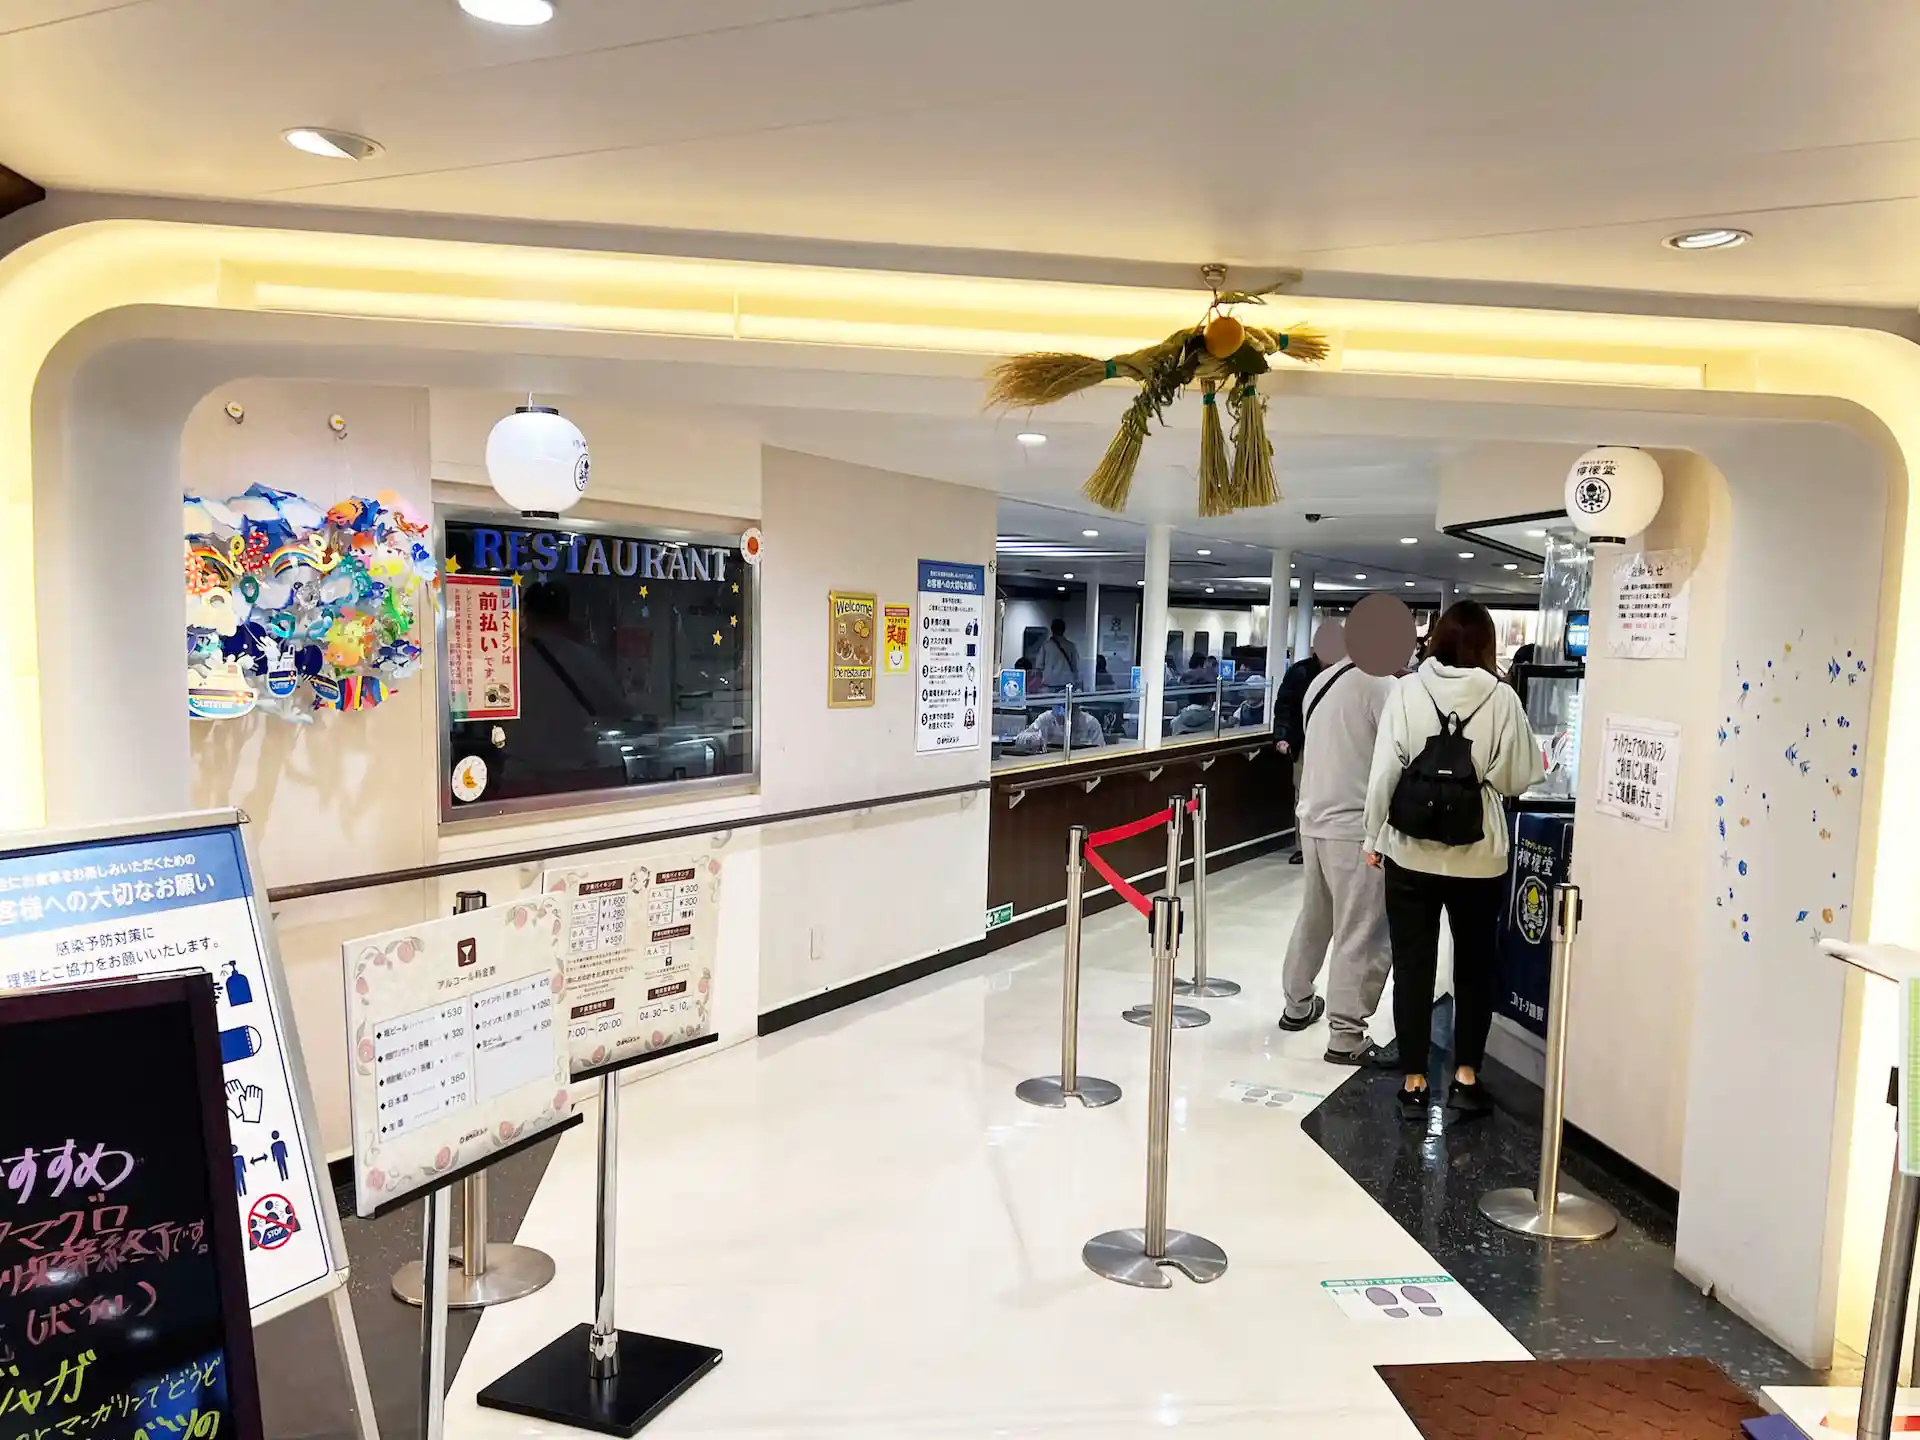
x: 437, y: 1221
x: 597, y: 1376
x: 489, y: 1273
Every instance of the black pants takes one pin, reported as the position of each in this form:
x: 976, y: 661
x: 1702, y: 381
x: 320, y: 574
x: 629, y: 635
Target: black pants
x: 1414, y: 902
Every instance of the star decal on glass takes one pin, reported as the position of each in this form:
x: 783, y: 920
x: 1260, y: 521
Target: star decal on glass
x: 716, y: 637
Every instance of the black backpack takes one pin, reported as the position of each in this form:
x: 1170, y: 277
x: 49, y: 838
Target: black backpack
x: 1437, y: 796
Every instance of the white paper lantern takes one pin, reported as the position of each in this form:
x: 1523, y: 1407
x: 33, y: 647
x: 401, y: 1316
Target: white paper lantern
x: 538, y: 461
x: 1614, y: 491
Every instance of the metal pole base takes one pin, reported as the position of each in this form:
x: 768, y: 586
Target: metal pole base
x: 1047, y: 1090
x: 1211, y: 988
x: 554, y: 1383
x: 1185, y: 1017
x: 1575, y: 1217
x: 1122, y: 1255
x: 513, y: 1272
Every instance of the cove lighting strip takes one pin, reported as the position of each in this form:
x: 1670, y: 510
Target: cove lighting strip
x: 1656, y: 374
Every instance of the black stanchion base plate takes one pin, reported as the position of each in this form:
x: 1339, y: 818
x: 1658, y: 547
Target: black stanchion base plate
x: 554, y: 1383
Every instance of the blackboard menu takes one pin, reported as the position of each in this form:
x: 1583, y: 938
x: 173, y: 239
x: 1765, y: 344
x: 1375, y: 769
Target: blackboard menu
x: 123, y: 1301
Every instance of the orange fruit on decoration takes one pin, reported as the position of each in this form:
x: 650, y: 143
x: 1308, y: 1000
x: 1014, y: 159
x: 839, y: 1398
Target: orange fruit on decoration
x: 1224, y: 336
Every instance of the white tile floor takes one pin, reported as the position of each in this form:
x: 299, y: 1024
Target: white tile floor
x: 886, y: 1242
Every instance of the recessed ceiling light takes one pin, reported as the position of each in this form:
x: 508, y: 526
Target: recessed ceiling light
x: 1209, y: 589
x: 1069, y: 575
x: 1091, y: 534
x: 1509, y: 567
x: 1408, y: 584
x: 1717, y: 237
x: 332, y: 144
x: 1294, y: 583
x: 1361, y: 576
x: 1139, y: 582
x: 1203, y: 552
x: 1466, y: 554
x: 1409, y: 540
x: 1061, y: 588
x: 510, y: 12
x: 1031, y: 438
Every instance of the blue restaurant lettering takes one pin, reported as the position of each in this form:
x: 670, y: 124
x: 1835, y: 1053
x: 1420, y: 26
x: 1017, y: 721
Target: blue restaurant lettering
x: 547, y: 551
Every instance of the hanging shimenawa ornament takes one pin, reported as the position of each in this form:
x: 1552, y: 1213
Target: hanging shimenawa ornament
x: 1222, y: 354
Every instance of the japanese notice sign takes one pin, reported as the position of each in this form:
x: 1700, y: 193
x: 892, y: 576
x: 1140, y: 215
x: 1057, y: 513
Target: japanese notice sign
x: 953, y: 600
x: 899, y: 638
x: 458, y: 1045
x: 482, y: 629
x: 123, y: 1308
x: 1646, y: 617
x: 1639, y: 769
x: 640, y: 946
x: 151, y: 904
x: 852, y: 638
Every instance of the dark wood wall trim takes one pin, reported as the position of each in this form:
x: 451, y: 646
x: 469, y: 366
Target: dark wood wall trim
x: 17, y: 192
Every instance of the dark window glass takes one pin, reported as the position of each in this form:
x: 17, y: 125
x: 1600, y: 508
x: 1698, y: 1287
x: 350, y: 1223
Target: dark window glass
x: 634, y: 662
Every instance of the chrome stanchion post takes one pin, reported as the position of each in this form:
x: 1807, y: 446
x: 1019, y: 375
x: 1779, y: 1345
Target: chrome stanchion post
x: 1203, y: 985
x: 1547, y: 1210
x: 1185, y: 1017
x: 1141, y: 1257
x: 437, y: 1220
x: 1052, y: 1090
x: 1880, y: 1377
x: 603, y: 1341
x: 488, y: 1273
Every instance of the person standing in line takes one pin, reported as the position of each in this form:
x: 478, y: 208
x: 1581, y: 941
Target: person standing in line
x: 1289, y: 715
x: 1438, y: 828
x: 1059, y: 661
x: 1343, y: 916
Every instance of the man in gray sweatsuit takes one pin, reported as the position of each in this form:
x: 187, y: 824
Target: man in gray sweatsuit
x: 1343, y: 915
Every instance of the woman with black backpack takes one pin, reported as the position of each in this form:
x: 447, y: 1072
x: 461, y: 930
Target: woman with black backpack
x: 1453, y: 741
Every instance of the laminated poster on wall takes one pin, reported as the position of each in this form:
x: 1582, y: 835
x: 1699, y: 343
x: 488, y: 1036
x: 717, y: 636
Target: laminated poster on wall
x: 641, y: 935
x: 952, y: 599
x: 483, y: 647
x: 853, y: 639
x: 458, y: 1050
x: 1646, y: 616
x: 899, y: 638
x: 1639, y: 770
x: 183, y: 899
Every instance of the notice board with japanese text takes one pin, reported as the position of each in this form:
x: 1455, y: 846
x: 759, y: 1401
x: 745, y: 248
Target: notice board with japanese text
x: 123, y: 1293
x: 172, y: 894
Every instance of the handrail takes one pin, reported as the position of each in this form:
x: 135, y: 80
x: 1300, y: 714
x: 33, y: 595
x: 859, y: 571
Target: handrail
x: 617, y: 842
x: 1142, y: 760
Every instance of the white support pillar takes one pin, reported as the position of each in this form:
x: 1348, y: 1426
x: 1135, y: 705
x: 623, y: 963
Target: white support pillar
x: 1279, y: 623
x: 1090, y: 657
x: 1446, y: 598
x: 1153, y: 634
x: 1303, y: 611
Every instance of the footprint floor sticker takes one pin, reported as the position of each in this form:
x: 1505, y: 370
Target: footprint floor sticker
x: 1407, y: 1297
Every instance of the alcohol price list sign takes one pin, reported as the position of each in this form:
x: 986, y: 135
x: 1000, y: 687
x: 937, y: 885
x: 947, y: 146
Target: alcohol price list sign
x: 123, y: 1296
x: 640, y: 946
x: 459, y: 1045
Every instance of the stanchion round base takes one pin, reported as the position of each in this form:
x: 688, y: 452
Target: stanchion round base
x: 1211, y: 988
x: 1121, y: 1255
x: 1575, y: 1217
x: 1046, y: 1090
x: 555, y: 1384
x: 513, y: 1272
x: 1185, y: 1017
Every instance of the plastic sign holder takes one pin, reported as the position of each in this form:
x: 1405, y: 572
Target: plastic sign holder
x: 172, y: 892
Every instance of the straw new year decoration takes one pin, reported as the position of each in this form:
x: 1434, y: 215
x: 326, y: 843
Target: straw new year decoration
x: 1222, y: 354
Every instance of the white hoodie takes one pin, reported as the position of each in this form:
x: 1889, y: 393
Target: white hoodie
x: 1504, y: 754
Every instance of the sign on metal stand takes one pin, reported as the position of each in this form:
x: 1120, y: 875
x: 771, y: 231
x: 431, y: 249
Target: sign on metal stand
x: 1185, y: 1017
x: 177, y: 892
x: 1142, y: 1257
x: 1053, y: 1091
x: 1203, y: 985
x: 484, y: 1273
x: 1547, y: 1210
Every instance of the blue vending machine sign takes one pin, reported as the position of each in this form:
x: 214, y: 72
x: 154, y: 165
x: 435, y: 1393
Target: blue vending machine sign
x: 1542, y: 853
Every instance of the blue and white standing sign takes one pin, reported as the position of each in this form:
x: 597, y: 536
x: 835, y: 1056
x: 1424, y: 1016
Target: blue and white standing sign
x: 178, y: 894
x: 1013, y: 687
x: 947, y: 661
x: 1229, y: 669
